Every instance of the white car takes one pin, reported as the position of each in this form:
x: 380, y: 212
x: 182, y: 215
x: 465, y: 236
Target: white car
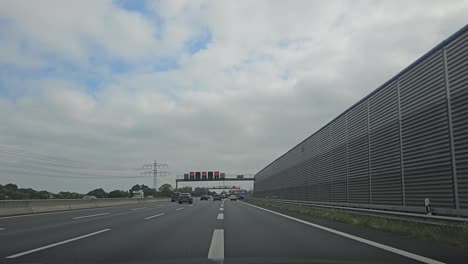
x: 232, y: 197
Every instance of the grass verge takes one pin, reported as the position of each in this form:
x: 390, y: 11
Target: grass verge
x: 454, y: 235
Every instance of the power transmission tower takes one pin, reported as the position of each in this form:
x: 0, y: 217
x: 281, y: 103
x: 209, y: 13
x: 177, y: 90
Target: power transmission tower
x: 159, y: 170
x: 155, y: 175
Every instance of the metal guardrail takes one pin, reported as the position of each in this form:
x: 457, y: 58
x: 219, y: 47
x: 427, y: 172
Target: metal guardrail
x: 375, y: 212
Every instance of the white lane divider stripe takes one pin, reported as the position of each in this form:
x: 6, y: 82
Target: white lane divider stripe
x: 216, y: 251
x: 135, y: 209
x: 359, y: 239
x: 153, y: 216
x: 2, y: 228
x: 180, y: 208
x: 55, y: 244
x: 221, y: 209
x: 86, y: 216
x: 220, y: 216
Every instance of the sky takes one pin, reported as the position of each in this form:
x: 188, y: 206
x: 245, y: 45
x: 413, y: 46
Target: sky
x: 100, y: 88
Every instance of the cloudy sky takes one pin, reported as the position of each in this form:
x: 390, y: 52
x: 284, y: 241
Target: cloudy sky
x: 200, y: 85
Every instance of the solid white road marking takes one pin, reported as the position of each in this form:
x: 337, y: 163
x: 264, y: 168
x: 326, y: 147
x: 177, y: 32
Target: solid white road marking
x: 134, y: 209
x: 221, y: 209
x: 55, y: 244
x: 216, y: 251
x: 180, y: 208
x: 153, y: 216
x: 359, y: 239
x: 86, y: 216
x: 2, y: 228
x: 220, y: 216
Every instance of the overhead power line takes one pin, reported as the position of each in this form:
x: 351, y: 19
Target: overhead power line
x: 55, y: 161
x: 67, y: 176
x: 39, y: 168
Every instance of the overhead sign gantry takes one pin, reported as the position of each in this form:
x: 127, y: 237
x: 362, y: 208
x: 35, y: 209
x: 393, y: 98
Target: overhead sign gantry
x: 204, y: 176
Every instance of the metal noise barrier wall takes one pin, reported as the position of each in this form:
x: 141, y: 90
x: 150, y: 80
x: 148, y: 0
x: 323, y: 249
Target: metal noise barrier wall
x: 404, y: 142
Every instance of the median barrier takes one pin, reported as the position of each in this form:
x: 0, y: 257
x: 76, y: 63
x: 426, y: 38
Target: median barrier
x: 18, y: 207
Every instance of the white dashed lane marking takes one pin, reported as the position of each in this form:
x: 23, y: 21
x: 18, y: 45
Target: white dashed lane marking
x: 216, y: 251
x: 153, y: 216
x: 55, y: 244
x: 86, y: 216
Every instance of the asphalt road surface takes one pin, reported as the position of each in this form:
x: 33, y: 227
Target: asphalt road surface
x: 205, y: 232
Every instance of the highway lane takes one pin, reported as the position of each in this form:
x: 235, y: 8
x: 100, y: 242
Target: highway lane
x: 203, y: 233
x: 32, y: 231
x: 38, y: 222
x: 65, y: 214
x: 134, y: 238
x: 269, y: 238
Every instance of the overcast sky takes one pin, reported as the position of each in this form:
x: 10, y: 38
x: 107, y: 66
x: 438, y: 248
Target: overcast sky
x: 200, y: 85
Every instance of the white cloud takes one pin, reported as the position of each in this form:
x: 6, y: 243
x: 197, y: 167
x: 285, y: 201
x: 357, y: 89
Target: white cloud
x: 273, y: 73
x: 81, y: 30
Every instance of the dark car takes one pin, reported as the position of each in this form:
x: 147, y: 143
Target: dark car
x: 216, y: 197
x: 175, y: 196
x: 203, y: 197
x: 241, y: 197
x: 185, y: 198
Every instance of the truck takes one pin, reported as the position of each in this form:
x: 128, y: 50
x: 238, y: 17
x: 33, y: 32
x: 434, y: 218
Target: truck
x: 138, y: 194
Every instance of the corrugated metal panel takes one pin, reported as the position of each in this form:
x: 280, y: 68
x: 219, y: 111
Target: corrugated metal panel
x: 297, y: 174
x: 303, y: 172
x: 358, y: 151
x: 296, y: 179
x: 312, y: 169
x: 324, y: 160
x: 457, y: 63
x: 425, y: 134
x: 385, y: 147
x: 338, y: 159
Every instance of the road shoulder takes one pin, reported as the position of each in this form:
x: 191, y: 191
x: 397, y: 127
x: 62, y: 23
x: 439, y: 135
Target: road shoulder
x: 425, y: 248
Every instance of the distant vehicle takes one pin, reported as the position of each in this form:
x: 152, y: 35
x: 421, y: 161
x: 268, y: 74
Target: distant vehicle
x: 175, y: 196
x: 224, y: 196
x: 89, y: 197
x: 203, y: 197
x: 216, y: 197
x: 232, y: 197
x: 185, y: 198
x: 138, y: 194
x: 241, y: 197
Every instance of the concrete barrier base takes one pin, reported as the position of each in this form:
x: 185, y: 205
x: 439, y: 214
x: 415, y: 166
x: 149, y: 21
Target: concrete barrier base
x: 19, y: 207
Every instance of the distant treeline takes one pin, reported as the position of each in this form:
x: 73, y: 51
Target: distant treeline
x: 11, y: 191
